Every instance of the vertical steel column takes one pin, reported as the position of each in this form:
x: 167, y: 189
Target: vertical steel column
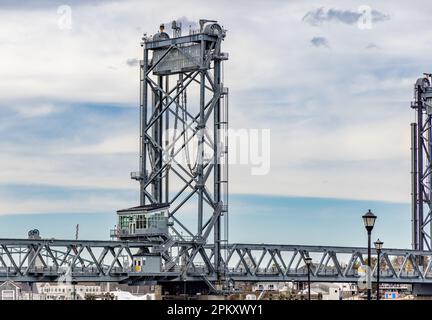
x: 160, y: 138
x: 420, y: 167
x: 217, y: 161
x: 143, y: 125
x: 428, y: 172
x: 200, y: 157
x: 414, y: 204
x: 166, y: 143
x: 157, y: 136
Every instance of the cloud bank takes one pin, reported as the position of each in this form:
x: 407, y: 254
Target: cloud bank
x: 321, y: 15
x: 339, y: 118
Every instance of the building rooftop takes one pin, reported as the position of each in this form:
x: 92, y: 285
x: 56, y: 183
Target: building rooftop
x: 145, y: 208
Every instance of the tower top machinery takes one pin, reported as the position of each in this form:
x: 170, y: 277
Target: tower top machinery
x: 183, y: 167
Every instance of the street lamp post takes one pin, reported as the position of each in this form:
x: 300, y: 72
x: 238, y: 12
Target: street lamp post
x: 378, y: 246
x: 369, y: 222
x: 308, y: 261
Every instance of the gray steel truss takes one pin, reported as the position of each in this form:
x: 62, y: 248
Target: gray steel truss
x: 182, y: 101
x: 43, y: 260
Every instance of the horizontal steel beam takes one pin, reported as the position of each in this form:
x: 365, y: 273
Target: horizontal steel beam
x: 311, y: 248
x: 157, y: 44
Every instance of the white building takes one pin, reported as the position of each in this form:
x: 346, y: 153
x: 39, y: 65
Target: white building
x: 336, y: 291
x: 272, y: 286
x: 64, y: 291
x: 349, y: 288
x: 10, y: 291
x: 333, y: 292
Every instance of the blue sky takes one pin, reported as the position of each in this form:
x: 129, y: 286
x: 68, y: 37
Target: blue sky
x: 335, y: 97
x: 252, y: 218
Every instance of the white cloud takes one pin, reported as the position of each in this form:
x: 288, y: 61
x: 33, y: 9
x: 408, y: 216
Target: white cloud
x: 321, y: 15
x: 347, y: 106
x: 113, y: 145
x: 38, y: 110
x: 85, y: 204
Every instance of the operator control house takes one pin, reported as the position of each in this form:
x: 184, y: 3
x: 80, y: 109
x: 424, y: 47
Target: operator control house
x: 143, y: 221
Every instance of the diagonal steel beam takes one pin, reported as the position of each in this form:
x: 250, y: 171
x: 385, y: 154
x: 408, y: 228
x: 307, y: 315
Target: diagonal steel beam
x: 5, y: 249
x: 96, y: 262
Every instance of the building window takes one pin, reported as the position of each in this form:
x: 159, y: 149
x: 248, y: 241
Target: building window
x: 124, y: 222
x: 141, y: 222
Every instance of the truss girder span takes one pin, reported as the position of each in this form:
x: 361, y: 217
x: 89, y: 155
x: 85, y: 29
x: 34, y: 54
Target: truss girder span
x: 111, y: 261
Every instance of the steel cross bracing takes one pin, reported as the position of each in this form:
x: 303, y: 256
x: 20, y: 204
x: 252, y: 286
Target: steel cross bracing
x: 182, y: 101
x: 43, y: 260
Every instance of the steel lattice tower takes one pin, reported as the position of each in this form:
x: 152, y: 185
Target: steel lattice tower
x: 421, y: 171
x: 183, y: 141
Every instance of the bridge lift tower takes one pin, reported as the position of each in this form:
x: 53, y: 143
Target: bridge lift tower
x: 421, y: 165
x: 183, y: 166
